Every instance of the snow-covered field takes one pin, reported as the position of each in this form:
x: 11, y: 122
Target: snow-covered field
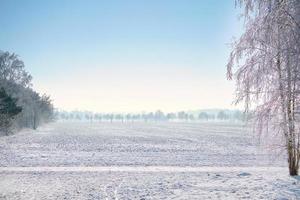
x: 68, y: 160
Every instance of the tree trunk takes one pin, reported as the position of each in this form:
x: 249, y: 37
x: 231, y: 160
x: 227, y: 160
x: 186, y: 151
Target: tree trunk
x: 293, y: 162
x: 35, y: 118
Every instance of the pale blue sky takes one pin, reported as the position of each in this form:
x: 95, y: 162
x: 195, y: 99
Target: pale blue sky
x: 124, y: 55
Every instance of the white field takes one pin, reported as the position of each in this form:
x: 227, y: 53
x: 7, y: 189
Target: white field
x: 68, y: 160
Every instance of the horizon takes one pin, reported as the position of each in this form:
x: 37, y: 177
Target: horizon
x: 120, y: 57
x: 153, y: 111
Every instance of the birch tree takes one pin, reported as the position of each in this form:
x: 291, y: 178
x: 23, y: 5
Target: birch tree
x: 265, y: 64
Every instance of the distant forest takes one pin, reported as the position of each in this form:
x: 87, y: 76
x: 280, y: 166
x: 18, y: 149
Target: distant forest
x: 204, y: 115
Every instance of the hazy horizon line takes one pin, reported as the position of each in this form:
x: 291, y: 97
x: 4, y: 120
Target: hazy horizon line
x: 149, y: 111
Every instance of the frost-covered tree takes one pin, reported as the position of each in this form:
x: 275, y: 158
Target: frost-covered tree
x: 203, y: 116
x: 150, y: 116
x: 171, y: 116
x: 98, y: 117
x: 159, y: 115
x: 119, y: 117
x: 265, y: 64
x: 42, y: 109
x: 222, y: 115
x: 191, y: 117
x: 182, y: 115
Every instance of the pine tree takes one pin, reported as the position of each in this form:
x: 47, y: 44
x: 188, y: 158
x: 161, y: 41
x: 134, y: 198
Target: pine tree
x: 8, y: 110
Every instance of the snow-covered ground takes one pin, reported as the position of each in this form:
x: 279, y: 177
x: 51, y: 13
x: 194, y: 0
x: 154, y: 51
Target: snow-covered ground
x: 68, y: 160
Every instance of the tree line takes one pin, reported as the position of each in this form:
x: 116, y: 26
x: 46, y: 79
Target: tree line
x: 221, y: 115
x: 20, y: 105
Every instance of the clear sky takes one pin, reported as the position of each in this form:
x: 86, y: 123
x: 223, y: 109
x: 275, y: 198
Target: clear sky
x: 121, y: 56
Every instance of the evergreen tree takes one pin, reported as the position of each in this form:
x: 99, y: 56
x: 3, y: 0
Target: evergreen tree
x: 8, y: 110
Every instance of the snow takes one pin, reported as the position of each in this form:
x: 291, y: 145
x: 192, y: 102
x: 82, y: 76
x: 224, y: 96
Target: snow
x: 68, y: 160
